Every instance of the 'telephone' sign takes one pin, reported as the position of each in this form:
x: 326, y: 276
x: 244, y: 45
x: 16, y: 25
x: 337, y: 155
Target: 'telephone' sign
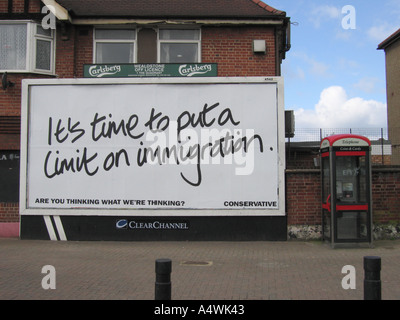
x: 155, y: 147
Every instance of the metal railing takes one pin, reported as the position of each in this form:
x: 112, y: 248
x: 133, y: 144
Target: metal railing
x: 385, y: 143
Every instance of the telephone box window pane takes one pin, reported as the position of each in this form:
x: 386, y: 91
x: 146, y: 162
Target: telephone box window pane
x: 363, y: 179
x: 352, y: 225
x: 351, y: 179
x: 327, y: 224
x: 114, y: 52
x: 326, y: 190
x: 179, y: 52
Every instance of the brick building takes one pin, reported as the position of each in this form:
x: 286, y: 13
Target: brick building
x: 391, y: 46
x: 242, y: 37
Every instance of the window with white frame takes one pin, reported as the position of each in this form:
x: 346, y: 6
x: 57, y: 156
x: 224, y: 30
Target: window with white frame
x: 43, y: 48
x: 179, y: 45
x: 26, y: 47
x: 114, y: 45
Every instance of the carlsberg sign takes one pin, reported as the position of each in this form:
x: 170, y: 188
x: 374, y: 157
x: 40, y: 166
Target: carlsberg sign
x: 138, y: 70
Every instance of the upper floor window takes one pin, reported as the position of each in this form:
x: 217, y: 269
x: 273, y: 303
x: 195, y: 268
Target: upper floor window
x: 26, y: 47
x: 115, y: 45
x: 179, y: 45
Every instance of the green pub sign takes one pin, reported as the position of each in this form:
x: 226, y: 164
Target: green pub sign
x: 150, y: 70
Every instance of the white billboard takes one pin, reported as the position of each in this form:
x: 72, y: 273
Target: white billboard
x: 212, y: 146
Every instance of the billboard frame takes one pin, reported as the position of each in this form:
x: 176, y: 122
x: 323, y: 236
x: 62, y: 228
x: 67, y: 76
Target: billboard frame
x: 26, y: 89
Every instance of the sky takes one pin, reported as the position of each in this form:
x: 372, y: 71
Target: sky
x: 334, y: 75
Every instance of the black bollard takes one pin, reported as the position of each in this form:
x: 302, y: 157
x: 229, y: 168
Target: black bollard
x: 372, y: 278
x: 163, y: 279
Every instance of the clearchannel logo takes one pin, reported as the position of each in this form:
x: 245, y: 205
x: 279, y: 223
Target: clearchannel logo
x: 122, y: 224
x: 148, y: 224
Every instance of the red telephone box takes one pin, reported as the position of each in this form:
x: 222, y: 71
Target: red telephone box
x: 346, y: 189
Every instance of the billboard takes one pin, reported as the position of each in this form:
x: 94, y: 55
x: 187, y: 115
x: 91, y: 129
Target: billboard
x: 153, y: 146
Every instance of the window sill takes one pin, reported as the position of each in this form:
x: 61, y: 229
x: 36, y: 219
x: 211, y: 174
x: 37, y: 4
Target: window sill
x: 28, y: 71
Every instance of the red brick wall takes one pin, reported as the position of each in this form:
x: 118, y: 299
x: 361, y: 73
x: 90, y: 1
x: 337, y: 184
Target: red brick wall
x: 74, y: 49
x: 10, y: 105
x: 232, y: 49
x: 65, y: 53
x: 386, y: 195
x: 84, y: 49
x: 10, y: 141
x: 303, y: 196
x: 10, y: 99
x: 18, y: 6
x: 34, y: 6
x: 3, y: 6
x: 9, y: 212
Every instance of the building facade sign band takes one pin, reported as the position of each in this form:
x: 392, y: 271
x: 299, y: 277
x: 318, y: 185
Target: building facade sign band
x: 150, y: 70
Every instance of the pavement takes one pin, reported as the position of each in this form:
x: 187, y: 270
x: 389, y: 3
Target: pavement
x: 291, y: 270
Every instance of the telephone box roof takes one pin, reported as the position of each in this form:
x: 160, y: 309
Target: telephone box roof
x: 339, y: 137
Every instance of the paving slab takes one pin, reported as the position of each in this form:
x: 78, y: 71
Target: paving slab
x: 97, y: 270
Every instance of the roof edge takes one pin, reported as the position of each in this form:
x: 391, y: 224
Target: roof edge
x: 388, y: 41
x: 59, y: 11
x: 274, y: 13
x: 268, y: 7
x: 211, y: 21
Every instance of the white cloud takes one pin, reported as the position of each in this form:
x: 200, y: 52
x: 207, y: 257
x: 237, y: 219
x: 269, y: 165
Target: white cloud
x: 367, y: 84
x: 321, y: 13
x: 347, y: 64
x: 318, y: 68
x: 336, y: 110
x: 395, y: 7
x: 343, y: 35
x: 327, y: 11
x: 291, y: 72
x: 315, y: 67
x: 381, y: 32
